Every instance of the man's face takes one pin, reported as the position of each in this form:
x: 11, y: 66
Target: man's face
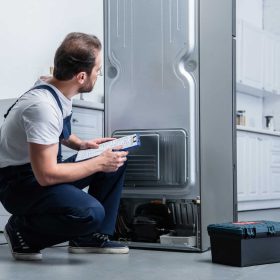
x: 90, y: 81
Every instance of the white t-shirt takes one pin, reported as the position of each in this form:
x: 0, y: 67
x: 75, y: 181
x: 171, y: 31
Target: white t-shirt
x: 36, y: 118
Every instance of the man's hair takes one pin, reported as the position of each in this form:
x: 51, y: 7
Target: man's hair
x: 77, y: 53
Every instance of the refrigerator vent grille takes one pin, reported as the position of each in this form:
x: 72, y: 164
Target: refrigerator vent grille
x: 142, y: 167
x: 160, y: 161
x: 173, y: 153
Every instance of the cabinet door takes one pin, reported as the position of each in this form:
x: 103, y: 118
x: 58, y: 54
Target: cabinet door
x: 86, y: 124
x: 242, y: 165
x: 277, y: 66
x: 275, y: 168
x: 268, y: 62
x: 239, y: 30
x: 252, y: 56
x: 258, y: 171
x: 253, y: 166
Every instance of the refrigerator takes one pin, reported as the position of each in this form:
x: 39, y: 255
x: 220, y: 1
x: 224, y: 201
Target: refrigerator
x: 170, y: 78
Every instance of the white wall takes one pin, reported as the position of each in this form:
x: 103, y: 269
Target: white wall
x: 269, y: 215
x: 272, y: 16
x: 250, y: 11
x: 272, y: 107
x: 254, y: 109
x: 30, y: 32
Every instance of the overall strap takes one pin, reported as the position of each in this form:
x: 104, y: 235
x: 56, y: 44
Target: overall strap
x: 54, y: 94
x: 47, y: 87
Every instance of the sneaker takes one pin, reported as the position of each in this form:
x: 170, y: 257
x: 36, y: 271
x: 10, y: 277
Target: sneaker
x: 20, y: 250
x: 99, y: 243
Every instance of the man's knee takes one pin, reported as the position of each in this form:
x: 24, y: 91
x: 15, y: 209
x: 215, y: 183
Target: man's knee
x: 98, y: 214
x: 88, y: 219
x: 93, y: 214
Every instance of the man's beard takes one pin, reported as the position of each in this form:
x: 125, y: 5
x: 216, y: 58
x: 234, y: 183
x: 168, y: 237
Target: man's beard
x: 88, y: 87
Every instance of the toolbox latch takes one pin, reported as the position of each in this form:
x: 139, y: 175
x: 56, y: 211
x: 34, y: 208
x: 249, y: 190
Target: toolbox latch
x: 250, y: 232
x: 271, y: 230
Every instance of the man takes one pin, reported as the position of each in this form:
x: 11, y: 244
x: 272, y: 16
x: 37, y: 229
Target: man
x: 44, y: 194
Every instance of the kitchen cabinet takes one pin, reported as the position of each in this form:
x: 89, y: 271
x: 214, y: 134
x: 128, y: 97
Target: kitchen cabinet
x: 275, y: 167
x: 268, y: 63
x: 87, y: 124
x: 276, y: 67
x: 258, y: 60
x: 252, y: 56
x: 258, y: 170
x: 239, y: 53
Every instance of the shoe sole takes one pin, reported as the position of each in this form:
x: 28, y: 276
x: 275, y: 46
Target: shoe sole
x: 87, y: 250
x: 22, y: 256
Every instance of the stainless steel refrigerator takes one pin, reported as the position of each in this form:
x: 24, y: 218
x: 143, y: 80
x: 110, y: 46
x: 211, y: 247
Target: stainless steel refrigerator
x: 169, y: 77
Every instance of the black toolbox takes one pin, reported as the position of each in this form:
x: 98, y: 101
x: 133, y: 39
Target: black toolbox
x: 245, y: 243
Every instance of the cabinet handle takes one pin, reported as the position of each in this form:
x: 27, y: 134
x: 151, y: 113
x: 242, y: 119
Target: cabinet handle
x: 75, y: 121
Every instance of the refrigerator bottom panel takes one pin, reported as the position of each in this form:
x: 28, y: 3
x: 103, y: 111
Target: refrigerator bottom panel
x: 160, y: 161
x: 152, y: 223
x: 140, y: 245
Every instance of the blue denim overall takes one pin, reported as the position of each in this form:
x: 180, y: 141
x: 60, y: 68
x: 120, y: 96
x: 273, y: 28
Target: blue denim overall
x: 53, y: 214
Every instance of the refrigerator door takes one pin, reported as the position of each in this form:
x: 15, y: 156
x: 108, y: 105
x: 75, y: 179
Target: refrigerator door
x: 151, y: 88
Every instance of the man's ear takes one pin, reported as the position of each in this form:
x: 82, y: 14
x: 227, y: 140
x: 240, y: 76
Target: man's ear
x: 81, y: 77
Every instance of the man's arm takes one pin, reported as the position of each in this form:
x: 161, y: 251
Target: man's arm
x: 75, y: 143
x: 48, y: 172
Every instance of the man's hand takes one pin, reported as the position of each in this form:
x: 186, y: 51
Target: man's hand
x: 112, y: 160
x: 94, y: 144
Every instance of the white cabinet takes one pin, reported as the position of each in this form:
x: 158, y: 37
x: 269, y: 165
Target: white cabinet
x: 275, y: 167
x: 258, y: 170
x: 239, y: 53
x: 268, y: 63
x: 252, y: 56
x: 276, y: 67
x: 252, y: 165
x: 86, y: 124
x: 257, y: 60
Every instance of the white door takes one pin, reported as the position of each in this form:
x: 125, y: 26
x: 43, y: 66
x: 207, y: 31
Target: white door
x: 239, y: 30
x: 252, y: 56
x: 276, y: 67
x: 268, y: 62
